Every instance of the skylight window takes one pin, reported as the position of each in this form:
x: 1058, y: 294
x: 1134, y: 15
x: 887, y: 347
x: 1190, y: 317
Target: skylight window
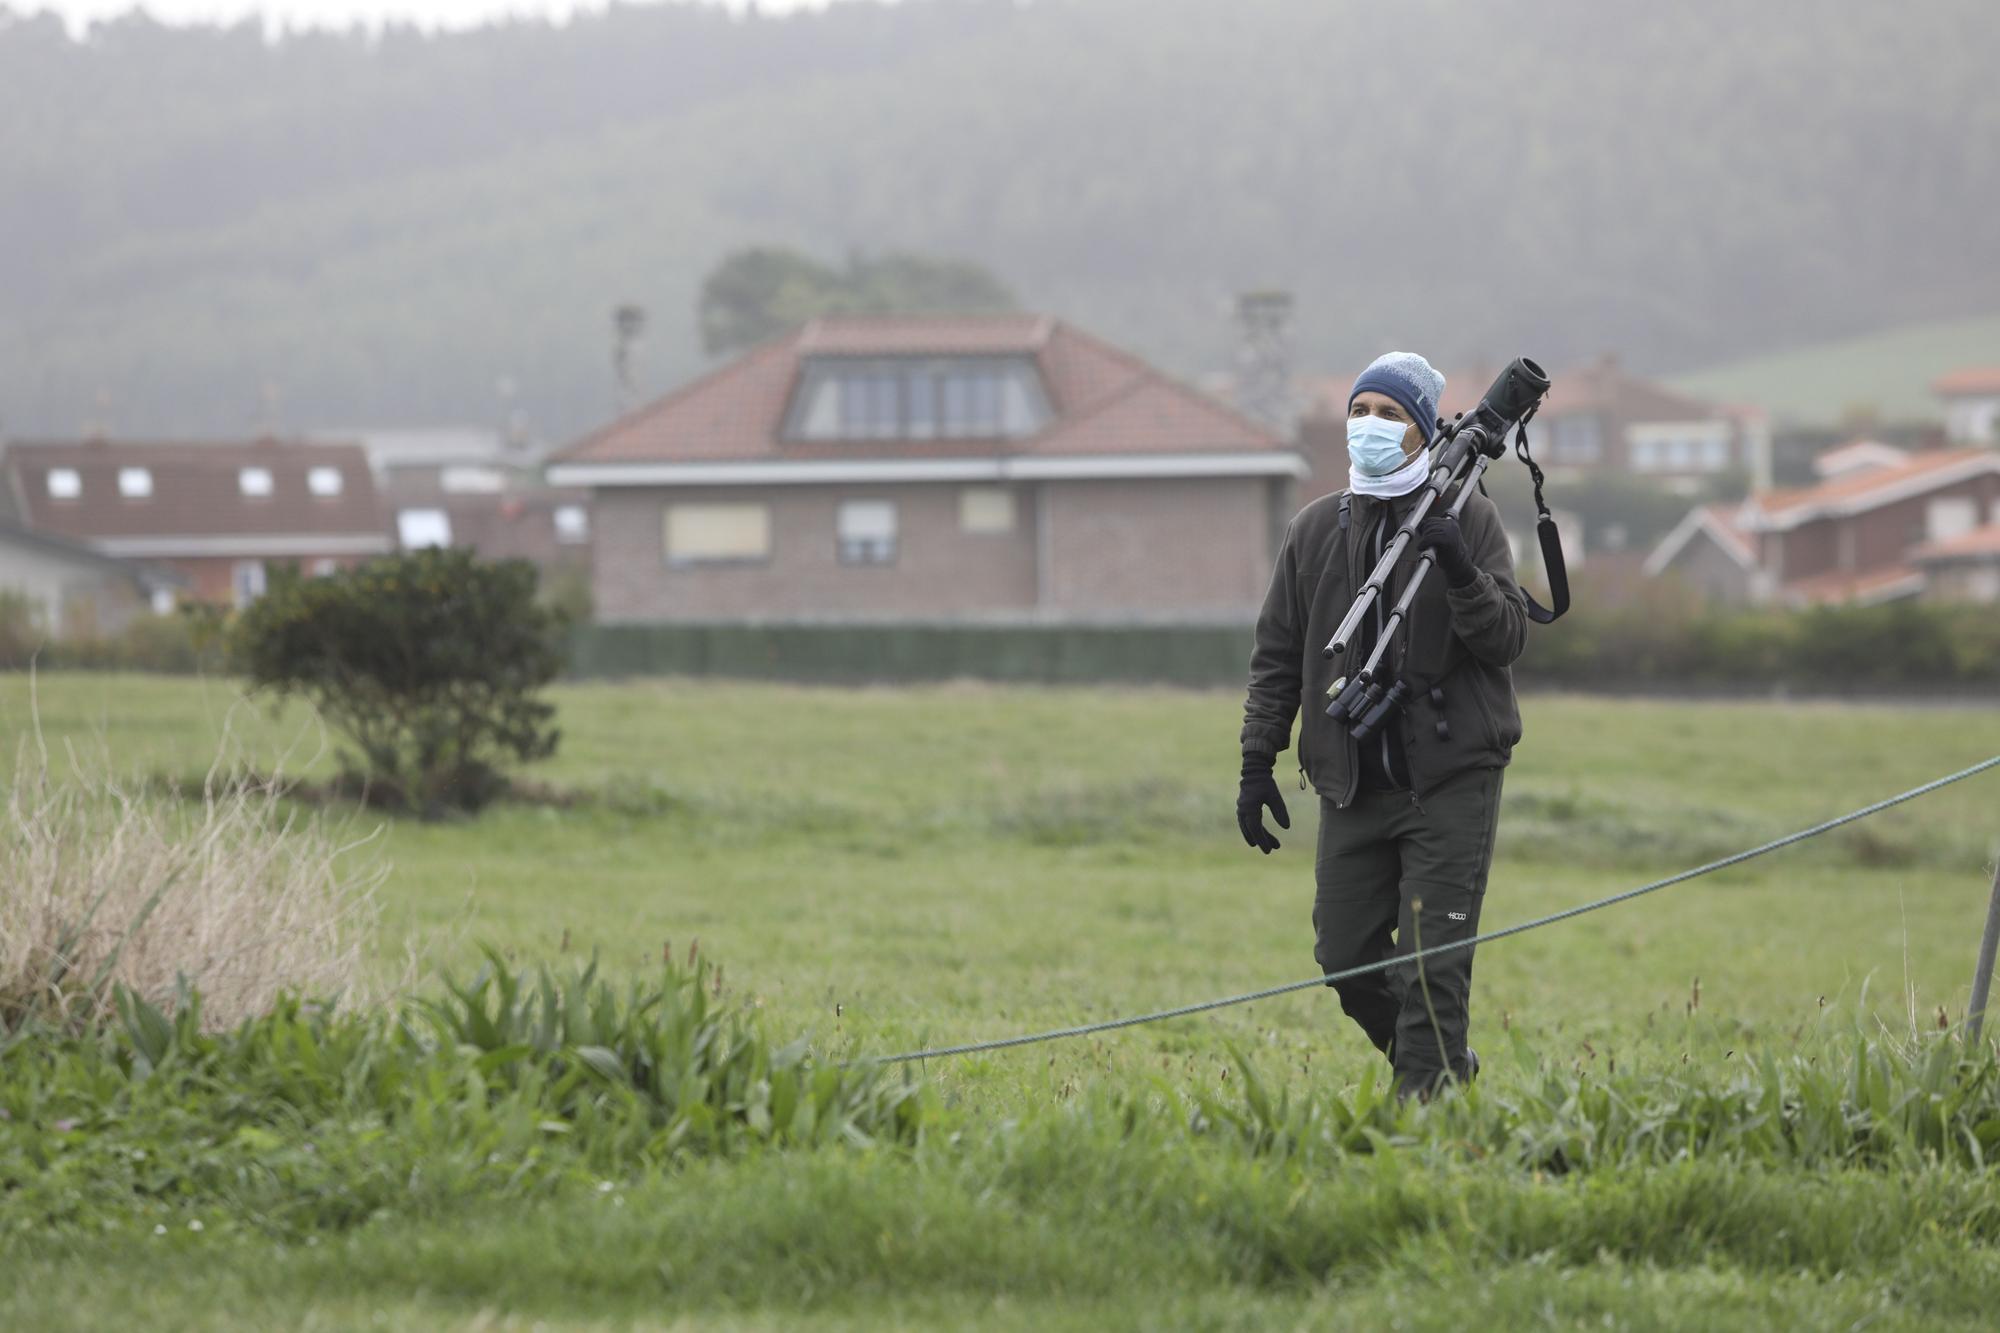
x: 324, y: 482
x: 254, y: 481
x: 135, y: 483
x: 64, y: 483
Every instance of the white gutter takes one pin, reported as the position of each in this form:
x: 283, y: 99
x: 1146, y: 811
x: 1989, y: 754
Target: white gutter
x: 271, y: 544
x: 1275, y: 463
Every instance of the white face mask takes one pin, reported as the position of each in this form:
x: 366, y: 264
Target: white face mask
x: 1375, y: 445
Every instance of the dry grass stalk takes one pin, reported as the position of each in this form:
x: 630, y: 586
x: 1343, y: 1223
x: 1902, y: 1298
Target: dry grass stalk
x: 108, y: 886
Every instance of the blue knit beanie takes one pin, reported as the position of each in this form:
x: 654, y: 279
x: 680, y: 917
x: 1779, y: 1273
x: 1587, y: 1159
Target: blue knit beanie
x: 1410, y: 381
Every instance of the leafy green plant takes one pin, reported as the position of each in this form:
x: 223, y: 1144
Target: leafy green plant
x: 304, y: 1116
x: 430, y: 663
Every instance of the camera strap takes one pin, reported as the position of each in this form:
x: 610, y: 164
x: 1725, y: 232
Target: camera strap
x: 1546, y: 534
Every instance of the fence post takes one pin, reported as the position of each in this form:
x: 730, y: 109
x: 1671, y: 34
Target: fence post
x: 1982, y: 973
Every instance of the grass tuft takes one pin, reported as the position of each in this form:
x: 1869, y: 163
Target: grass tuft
x: 111, y: 890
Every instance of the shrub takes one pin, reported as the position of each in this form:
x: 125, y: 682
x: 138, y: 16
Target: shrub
x: 21, y: 632
x: 428, y: 662
x: 106, y: 889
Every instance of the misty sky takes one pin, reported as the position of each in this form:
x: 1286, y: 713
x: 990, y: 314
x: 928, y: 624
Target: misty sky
x: 341, y: 13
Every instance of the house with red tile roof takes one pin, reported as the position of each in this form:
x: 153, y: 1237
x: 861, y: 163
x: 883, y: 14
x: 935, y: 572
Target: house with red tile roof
x: 1971, y: 404
x: 218, y: 514
x: 932, y: 467
x: 1865, y: 534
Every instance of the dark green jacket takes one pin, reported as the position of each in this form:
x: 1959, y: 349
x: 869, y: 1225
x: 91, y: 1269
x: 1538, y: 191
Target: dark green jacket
x: 1462, y: 639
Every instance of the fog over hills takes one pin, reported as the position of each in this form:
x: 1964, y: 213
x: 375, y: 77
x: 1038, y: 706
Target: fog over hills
x: 200, y: 231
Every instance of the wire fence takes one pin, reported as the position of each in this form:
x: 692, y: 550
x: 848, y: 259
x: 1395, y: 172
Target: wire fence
x: 1520, y: 928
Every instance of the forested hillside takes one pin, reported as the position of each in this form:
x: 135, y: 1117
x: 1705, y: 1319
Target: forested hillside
x: 196, y: 225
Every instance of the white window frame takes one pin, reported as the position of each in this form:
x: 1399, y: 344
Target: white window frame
x: 254, y: 483
x: 865, y: 532
x: 695, y: 533
x: 325, y: 483
x: 135, y: 483
x: 65, y: 483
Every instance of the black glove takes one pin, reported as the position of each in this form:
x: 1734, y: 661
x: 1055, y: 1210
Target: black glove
x: 1259, y: 790
x: 1441, y: 537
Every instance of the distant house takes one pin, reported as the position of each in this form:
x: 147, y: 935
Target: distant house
x: 1599, y: 418
x: 76, y: 590
x: 471, y: 486
x: 932, y: 467
x: 1883, y: 524
x: 1971, y: 404
x: 217, y: 514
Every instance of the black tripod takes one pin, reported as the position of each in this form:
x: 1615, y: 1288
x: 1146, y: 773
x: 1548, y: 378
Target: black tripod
x: 1470, y: 444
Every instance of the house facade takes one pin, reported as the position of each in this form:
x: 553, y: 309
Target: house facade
x: 218, y: 515
x: 946, y: 467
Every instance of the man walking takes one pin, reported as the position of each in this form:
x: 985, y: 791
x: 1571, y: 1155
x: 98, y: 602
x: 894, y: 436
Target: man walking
x: 1407, y: 818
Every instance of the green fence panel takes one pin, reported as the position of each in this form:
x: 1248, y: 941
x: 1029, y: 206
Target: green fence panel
x: 1192, y: 655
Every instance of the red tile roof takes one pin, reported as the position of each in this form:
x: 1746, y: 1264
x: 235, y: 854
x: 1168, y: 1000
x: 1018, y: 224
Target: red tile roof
x: 1858, y: 491
x: 924, y: 335
x: 1104, y: 399
x: 1603, y: 386
x: 1968, y: 381
x: 195, y: 490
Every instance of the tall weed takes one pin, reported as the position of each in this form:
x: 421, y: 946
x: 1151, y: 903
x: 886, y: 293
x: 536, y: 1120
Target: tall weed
x: 109, y: 889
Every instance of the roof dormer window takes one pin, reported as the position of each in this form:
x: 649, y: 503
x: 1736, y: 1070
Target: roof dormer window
x: 324, y: 482
x: 135, y: 483
x: 254, y: 482
x: 918, y: 398
x: 65, y: 483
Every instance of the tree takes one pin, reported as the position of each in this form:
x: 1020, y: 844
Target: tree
x: 757, y: 293
x: 429, y: 663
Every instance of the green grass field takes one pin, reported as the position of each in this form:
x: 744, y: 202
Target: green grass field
x: 878, y: 869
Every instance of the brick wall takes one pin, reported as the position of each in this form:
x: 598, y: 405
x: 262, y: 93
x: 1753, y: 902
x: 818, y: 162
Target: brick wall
x: 1182, y: 546
x: 938, y: 569
x: 212, y: 578
x: 1185, y: 546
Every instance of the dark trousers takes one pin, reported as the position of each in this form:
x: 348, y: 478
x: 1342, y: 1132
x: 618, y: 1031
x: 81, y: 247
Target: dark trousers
x: 1391, y: 873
